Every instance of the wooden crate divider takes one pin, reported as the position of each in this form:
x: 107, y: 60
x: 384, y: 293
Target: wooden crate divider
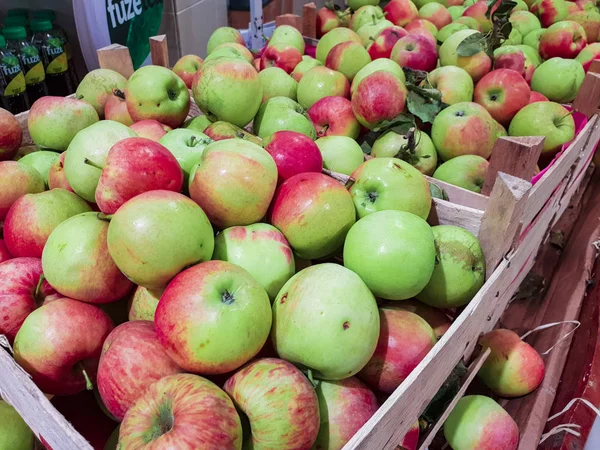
x: 159, y: 50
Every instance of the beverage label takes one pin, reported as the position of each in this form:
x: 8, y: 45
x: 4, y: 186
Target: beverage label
x: 34, y: 68
x: 55, y: 56
x: 15, y: 80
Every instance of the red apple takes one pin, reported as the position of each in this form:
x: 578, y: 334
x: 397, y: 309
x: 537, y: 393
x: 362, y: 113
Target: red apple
x: 415, y: 52
x: 383, y: 44
x: 131, y: 360
x: 150, y: 129
x: 401, y: 12
x: 425, y: 33
x: 478, y: 12
x: 421, y: 24
x: 294, y: 153
x: 379, y: 96
x: 436, y: 318
x: 436, y: 13
x: 503, y: 92
x: 589, y: 20
x: 56, y: 175
x: 589, y: 54
x: 11, y: 135
x: 411, y: 439
x: 16, y: 180
x: 327, y: 20
x: 347, y: 58
x: 333, y: 116
x: 219, y: 131
x: 515, y: 59
x: 116, y: 109
x: 563, y: 39
x: 133, y: 166
x: 281, y: 55
x: 186, y: 67
x: 550, y: 11
x: 4, y: 253
x: 59, y: 345
x: 537, y: 97
x: 20, y: 294
x: 183, y: 412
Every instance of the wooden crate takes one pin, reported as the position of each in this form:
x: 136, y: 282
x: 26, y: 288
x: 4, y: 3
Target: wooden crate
x: 512, y: 222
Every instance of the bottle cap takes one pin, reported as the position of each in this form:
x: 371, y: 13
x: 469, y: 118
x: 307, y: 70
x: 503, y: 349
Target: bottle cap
x: 15, y: 21
x: 14, y: 33
x: 2, y: 42
x: 41, y: 25
x: 19, y: 12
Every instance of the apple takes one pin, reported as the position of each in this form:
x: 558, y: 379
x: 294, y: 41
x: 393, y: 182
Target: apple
x: 231, y: 50
x: 436, y: 13
x: 293, y: 153
x: 383, y: 44
x: 56, y: 175
x: 232, y: 79
x: 563, y: 39
x: 547, y: 119
x: 502, y: 92
x: 384, y: 64
x: 186, y: 67
x: 279, y: 402
x: 459, y: 258
x: 32, y: 218
x: 133, y: 166
x: 280, y: 55
x: 11, y: 135
x: 341, y: 154
x: 4, y: 253
x: 537, y: 97
x: 589, y: 54
x: 22, y: 290
x: 465, y: 171
x: 331, y: 39
x: 404, y: 340
x: 514, y: 58
x: 422, y: 24
x: 344, y: 406
x: 97, y: 86
x: 327, y: 20
x: 415, y: 52
x: 59, y: 345
x: 366, y: 15
x: 142, y: 304
x: 378, y: 97
x: 390, y: 184
x: 401, y: 12
x: 150, y: 129
x: 16, y: 180
x: 93, y: 144
x: 325, y: 319
x: 204, y: 308
x: 422, y: 157
x: 478, y: 422
x: 524, y: 22
x: 411, y: 438
x: 550, y: 11
x: 166, y: 230
x: 465, y: 129
x: 286, y: 34
x: 219, y: 131
x: 470, y: 22
x: 277, y: 83
x: 198, y: 123
x: 378, y: 246
x: 284, y: 114
x: 476, y: 65
x: 456, y: 11
x: 436, y: 318
x: 14, y: 432
x: 590, y: 21
x: 155, y: 92
x: 368, y: 32
x: 455, y: 84
x: 115, y: 109
x: 449, y: 30
x: 304, y: 66
x: 532, y: 39
x: 132, y: 359
x: 333, y: 116
x: 41, y: 161
x: 347, y: 58
x: 314, y: 212
x: 513, y: 368
x: 478, y: 11
x: 187, y: 146
x: 182, y: 411
x: 320, y: 82
x: 223, y: 35
x: 262, y: 250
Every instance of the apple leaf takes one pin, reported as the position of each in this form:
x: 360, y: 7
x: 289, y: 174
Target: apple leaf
x: 437, y: 192
x: 425, y: 103
x: 407, y: 152
x: 414, y: 76
x: 444, y: 395
x: 400, y: 124
x: 472, y: 44
x: 332, y: 6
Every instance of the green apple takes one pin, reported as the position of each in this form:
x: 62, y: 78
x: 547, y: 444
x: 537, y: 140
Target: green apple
x: 41, y: 161
x: 320, y: 82
x: 547, y: 119
x: 422, y: 157
x: 368, y: 32
x: 326, y: 319
x: 524, y: 22
x: 455, y: 84
x: 393, y: 252
x: 228, y: 52
x: 355, y: 5
x: 532, y: 39
x: 476, y: 65
x: 465, y: 171
x: 456, y: 11
x: 142, y: 304
x: 384, y: 64
x: 223, y: 35
x: 514, y: 38
x: 348, y: 58
x: 333, y: 38
x: 277, y: 83
x: 14, y: 432
x: 304, y: 66
x: 187, y: 146
x: 198, y: 123
x: 470, y: 22
x: 286, y: 34
x: 366, y: 15
x: 282, y: 113
x: 93, y: 143
x: 558, y: 79
x: 459, y: 271
x: 589, y: 19
x: 340, y: 154
x: 449, y: 30
x: 262, y: 250
x: 97, y: 86
x: 521, y: 6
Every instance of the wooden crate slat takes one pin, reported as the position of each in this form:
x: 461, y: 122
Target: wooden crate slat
x: 446, y: 213
x: 159, y: 50
x: 588, y: 97
x: 309, y: 20
x: 461, y: 196
x: 116, y: 57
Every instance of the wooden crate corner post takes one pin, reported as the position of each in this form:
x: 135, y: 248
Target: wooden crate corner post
x: 292, y: 20
x: 309, y: 20
x: 159, y: 50
x: 588, y: 97
x: 116, y: 57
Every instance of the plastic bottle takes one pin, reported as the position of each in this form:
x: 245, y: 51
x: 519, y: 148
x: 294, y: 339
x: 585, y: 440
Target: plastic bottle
x: 17, y: 21
x: 33, y: 67
x: 12, y: 81
x: 53, y: 56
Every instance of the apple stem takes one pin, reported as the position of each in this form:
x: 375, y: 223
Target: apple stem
x: 93, y: 164
x: 36, y: 295
x: 88, y: 382
x: 374, y: 19
x: 346, y: 180
x: 119, y: 93
x: 105, y: 217
x: 193, y: 141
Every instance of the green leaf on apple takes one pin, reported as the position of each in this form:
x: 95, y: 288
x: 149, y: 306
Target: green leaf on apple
x: 414, y: 76
x: 424, y: 103
x: 437, y: 192
x: 472, y: 45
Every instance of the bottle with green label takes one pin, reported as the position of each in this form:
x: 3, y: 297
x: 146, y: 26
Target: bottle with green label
x: 12, y: 81
x: 35, y: 75
x: 54, y: 57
